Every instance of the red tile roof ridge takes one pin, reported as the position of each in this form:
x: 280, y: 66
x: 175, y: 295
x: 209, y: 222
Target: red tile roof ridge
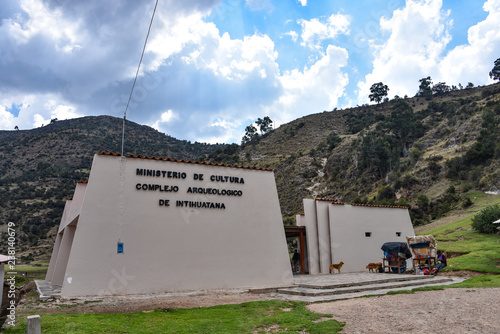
x: 333, y: 200
x: 380, y: 206
x: 140, y: 156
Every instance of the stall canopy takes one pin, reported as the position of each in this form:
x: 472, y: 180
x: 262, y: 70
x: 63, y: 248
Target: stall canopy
x: 399, y: 247
x: 423, y: 244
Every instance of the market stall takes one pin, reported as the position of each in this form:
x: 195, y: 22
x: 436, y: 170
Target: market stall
x: 424, y: 250
x: 395, y: 256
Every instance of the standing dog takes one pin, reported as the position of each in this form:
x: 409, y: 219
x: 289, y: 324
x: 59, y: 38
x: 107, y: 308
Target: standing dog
x: 336, y: 266
x: 373, y: 267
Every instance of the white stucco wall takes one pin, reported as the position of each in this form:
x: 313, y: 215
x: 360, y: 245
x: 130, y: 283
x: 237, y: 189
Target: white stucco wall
x: 348, y: 225
x: 311, y: 236
x: 170, y: 248
x: 322, y: 217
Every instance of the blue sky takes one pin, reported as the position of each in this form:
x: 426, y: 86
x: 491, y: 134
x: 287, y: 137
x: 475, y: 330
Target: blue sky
x: 212, y: 67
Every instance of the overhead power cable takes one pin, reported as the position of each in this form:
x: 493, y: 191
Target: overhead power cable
x: 136, y: 75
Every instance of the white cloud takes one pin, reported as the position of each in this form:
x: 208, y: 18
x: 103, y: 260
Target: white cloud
x: 418, y: 36
x: 7, y: 119
x: 472, y: 62
x: 303, y: 2
x: 293, y: 35
x: 39, y: 121
x: 312, y: 90
x: 235, y: 59
x: 172, y: 35
x: 41, y: 21
x: 165, y: 117
x: 314, y: 32
x: 61, y: 111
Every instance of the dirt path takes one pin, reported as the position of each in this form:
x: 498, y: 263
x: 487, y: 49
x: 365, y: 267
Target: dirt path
x: 453, y: 311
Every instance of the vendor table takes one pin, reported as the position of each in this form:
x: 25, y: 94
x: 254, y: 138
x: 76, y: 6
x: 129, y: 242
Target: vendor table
x: 390, y: 263
x: 424, y: 262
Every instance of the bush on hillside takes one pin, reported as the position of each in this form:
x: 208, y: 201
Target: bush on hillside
x: 483, y: 221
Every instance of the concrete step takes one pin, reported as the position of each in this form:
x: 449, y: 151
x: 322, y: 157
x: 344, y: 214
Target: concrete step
x: 387, y: 278
x: 371, y: 290
x: 365, y: 286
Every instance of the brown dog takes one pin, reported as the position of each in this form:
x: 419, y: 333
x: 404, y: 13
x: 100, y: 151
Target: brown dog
x: 336, y: 266
x: 373, y: 267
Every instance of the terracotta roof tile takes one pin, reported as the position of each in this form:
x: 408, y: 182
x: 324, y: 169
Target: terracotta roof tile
x: 333, y: 200
x: 381, y: 206
x: 338, y: 202
x: 140, y: 156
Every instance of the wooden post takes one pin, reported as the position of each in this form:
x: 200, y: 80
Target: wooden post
x: 34, y: 325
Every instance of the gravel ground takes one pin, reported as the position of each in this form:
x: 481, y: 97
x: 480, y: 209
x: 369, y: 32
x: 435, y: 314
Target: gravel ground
x: 454, y: 311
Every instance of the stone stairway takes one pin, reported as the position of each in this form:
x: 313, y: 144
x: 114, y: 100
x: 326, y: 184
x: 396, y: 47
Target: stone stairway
x: 329, y: 288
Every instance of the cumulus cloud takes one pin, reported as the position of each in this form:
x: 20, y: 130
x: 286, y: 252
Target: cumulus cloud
x: 473, y: 61
x: 314, y: 89
x: 418, y: 36
x: 314, y: 32
x: 293, y: 34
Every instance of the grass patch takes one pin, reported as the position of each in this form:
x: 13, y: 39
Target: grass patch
x: 400, y: 292
x: 470, y: 249
x: 482, y: 200
x: 429, y: 288
x: 484, y: 281
x: 20, y: 280
x: 253, y: 317
x: 27, y: 268
x: 35, y: 272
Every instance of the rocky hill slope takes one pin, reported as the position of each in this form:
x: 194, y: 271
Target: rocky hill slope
x: 39, y: 169
x: 424, y: 152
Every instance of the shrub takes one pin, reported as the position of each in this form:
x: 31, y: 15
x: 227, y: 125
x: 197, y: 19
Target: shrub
x: 483, y: 221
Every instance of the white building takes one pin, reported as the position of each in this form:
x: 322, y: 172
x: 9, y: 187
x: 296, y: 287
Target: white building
x: 145, y: 225
x: 353, y: 234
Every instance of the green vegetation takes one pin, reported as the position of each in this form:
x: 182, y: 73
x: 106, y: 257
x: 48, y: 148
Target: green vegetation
x: 483, y: 281
x: 495, y: 71
x: 483, y: 221
x: 253, y: 317
x: 378, y: 92
x: 32, y: 271
x: 468, y: 249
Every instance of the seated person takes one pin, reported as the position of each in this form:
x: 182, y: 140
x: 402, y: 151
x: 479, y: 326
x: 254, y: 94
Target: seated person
x: 442, y: 263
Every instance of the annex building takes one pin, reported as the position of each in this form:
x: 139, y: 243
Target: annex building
x: 351, y: 233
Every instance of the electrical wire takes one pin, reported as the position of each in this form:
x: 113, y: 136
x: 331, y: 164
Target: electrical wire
x: 136, y: 75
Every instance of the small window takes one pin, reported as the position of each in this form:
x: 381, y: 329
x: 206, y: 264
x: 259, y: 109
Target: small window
x: 398, y: 234
x: 368, y: 234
